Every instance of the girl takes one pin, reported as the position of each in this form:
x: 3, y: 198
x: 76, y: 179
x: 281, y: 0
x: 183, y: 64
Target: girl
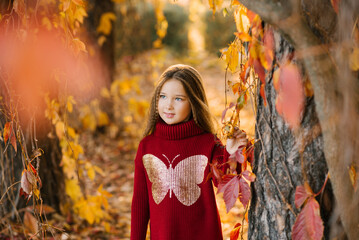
x: 172, y: 163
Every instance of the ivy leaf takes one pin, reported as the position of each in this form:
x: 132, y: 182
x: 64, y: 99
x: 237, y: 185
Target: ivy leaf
x: 268, y: 40
x: 300, y: 196
x: 290, y: 101
x: 308, y: 224
x: 244, y: 192
x: 249, y: 175
x: 229, y: 186
x: 235, y: 232
x: 259, y: 69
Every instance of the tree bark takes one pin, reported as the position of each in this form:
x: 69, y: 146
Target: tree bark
x: 278, y: 165
x: 335, y: 104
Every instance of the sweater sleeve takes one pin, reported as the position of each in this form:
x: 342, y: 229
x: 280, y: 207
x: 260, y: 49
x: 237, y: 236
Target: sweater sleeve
x: 140, y: 205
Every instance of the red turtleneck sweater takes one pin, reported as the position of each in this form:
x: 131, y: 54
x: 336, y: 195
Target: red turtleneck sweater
x: 170, y: 186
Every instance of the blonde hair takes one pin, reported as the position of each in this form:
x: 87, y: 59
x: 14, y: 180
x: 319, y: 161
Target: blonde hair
x: 192, y: 83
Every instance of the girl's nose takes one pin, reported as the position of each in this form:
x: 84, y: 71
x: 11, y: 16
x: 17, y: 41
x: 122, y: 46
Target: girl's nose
x: 170, y: 105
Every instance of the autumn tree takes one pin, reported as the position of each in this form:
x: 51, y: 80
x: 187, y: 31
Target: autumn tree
x: 320, y: 37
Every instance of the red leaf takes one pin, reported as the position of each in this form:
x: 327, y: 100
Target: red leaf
x: 263, y: 95
x: 335, y: 4
x: 30, y: 223
x: 235, y: 232
x: 308, y: 224
x: 249, y: 175
x: 9, y: 133
x: 230, y: 188
x: 217, y: 173
x: 245, y: 192
x: 225, y: 110
x: 269, y: 46
x: 292, y: 94
x: 300, y: 196
x: 259, y: 69
x: 250, y: 15
x: 245, y: 72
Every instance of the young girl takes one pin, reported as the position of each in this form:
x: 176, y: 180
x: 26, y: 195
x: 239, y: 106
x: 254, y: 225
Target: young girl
x: 172, y: 163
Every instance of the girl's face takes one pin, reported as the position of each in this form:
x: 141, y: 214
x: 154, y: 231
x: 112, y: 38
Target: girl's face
x: 173, y: 104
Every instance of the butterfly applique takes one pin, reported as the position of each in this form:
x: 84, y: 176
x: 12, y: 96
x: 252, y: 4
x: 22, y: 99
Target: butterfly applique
x: 182, y: 180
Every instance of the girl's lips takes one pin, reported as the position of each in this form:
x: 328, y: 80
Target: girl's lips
x: 169, y: 115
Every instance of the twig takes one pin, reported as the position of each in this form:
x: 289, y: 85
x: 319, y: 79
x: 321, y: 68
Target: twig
x: 8, y: 190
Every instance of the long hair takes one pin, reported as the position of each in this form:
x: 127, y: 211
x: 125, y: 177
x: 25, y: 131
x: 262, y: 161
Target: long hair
x: 192, y: 83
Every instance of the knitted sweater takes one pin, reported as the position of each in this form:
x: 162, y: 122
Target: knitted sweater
x: 171, y: 187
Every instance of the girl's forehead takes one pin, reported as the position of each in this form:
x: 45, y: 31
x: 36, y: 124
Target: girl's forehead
x: 173, y: 85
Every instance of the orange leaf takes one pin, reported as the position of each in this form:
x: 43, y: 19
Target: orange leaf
x: 263, y: 94
x: 30, y: 223
x: 9, y: 133
x: 335, y: 4
x: 235, y: 232
x: 308, y: 224
x: 243, y: 36
x: 276, y: 83
x: 79, y: 2
x: 268, y: 47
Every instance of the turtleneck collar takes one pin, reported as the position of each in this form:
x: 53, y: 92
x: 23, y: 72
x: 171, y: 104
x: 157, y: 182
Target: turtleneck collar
x: 177, y: 131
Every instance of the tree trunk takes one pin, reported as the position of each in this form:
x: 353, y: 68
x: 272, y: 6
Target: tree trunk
x: 278, y: 165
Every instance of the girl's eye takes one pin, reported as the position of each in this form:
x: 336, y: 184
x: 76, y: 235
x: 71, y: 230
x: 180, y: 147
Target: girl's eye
x: 162, y: 96
x: 179, y: 99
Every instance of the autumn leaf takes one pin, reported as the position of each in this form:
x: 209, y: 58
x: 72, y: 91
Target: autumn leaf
x: 354, y: 59
x: 308, y: 224
x: 263, y: 94
x: 244, y: 192
x: 259, y: 69
x: 229, y: 186
x: 78, y: 46
x: 215, y: 4
x: 235, y: 232
x: 335, y: 4
x: 79, y: 2
x: 249, y: 175
x: 30, y: 223
x: 26, y: 183
x: 245, y: 37
x: 105, y: 25
x: 268, y: 45
x: 300, y: 196
x: 8, y: 132
x: 242, y: 21
x: 215, y: 171
x: 291, y: 95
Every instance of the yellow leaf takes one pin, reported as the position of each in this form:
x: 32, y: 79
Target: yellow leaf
x: 73, y: 189
x: 46, y: 22
x: 78, y: 46
x: 69, y: 103
x: 232, y: 56
x: 102, y: 119
x: 354, y: 59
x: 99, y: 170
x: 107, y: 226
x: 79, y: 2
x: 353, y: 176
x: 215, y: 4
x: 90, y: 171
x: 89, y: 122
x: 71, y: 132
x: 65, y: 5
x: 105, y: 25
x: 101, y: 40
x: 242, y: 21
x: 105, y: 93
x: 60, y: 129
x: 69, y: 166
x: 80, y: 14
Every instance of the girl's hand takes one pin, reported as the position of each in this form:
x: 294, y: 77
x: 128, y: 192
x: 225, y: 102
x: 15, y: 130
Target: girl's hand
x: 239, y: 139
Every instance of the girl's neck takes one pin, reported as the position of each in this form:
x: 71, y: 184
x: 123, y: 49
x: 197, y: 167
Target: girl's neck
x: 177, y: 131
